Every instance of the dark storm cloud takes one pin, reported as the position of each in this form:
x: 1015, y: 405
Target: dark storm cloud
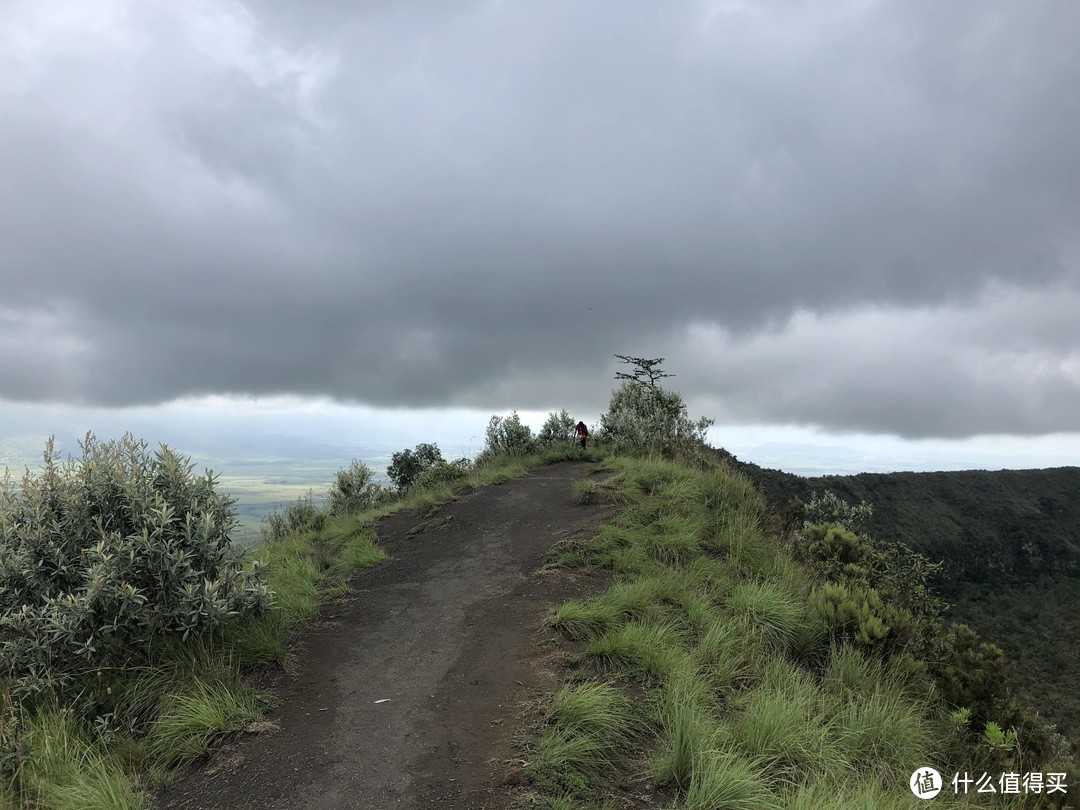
x: 477, y: 203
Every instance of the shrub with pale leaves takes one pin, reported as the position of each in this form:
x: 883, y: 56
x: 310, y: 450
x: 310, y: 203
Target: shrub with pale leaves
x: 506, y: 435
x: 831, y: 508
x: 648, y: 418
x: 105, y: 555
x: 355, y: 489
x: 558, y: 429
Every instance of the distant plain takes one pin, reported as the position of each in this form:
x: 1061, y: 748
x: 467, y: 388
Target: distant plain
x: 259, y: 485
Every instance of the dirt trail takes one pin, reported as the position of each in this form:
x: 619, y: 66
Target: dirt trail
x: 406, y: 694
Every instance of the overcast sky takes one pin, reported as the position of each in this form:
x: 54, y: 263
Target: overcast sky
x: 842, y: 217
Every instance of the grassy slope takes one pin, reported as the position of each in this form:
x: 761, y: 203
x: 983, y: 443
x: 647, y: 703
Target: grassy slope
x: 170, y: 713
x: 742, y: 701
x: 1010, y: 541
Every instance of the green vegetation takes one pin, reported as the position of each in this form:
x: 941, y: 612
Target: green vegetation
x: 729, y: 677
x: 587, y: 729
x: 136, y: 659
x: 506, y: 435
x: 1009, y: 547
x: 644, y: 417
x: 557, y: 431
x: 104, y: 557
x: 985, y: 526
x: 768, y: 663
x: 407, y: 466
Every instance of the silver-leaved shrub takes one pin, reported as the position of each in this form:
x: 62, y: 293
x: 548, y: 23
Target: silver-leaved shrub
x: 647, y: 418
x: 507, y: 435
x: 558, y: 429
x: 105, y: 555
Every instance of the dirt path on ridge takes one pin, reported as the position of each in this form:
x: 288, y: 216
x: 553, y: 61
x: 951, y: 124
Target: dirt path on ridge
x: 405, y: 694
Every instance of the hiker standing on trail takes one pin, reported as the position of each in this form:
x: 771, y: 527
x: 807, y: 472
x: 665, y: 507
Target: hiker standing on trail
x: 582, y: 434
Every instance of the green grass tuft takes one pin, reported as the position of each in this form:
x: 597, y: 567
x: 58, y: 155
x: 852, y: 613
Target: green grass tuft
x: 65, y: 768
x: 883, y: 732
x: 785, y: 722
x: 769, y: 611
x: 191, y: 720
x: 724, y: 780
x: 583, y: 620
x: 636, y: 648
x: 724, y: 654
x: 594, y: 708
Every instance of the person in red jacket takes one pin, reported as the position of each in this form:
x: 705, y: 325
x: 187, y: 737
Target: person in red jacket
x: 582, y: 434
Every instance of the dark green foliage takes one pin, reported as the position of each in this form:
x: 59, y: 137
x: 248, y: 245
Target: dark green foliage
x: 879, y: 598
x: 1035, y: 624
x: 103, y: 556
x: 975, y: 675
x: 407, y: 465
x: 1018, y: 523
x: 836, y: 546
x: 440, y: 473
x: 891, y: 571
x: 1010, y: 544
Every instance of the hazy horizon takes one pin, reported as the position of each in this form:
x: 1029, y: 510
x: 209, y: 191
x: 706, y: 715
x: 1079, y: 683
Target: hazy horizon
x: 227, y: 434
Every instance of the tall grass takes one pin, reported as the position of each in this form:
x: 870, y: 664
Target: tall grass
x: 589, y: 728
x: 64, y: 768
x: 193, y: 718
x: 724, y: 780
x: 636, y: 648
x: 708, y: 622
x: 785, y: 723
x: 768, y: 611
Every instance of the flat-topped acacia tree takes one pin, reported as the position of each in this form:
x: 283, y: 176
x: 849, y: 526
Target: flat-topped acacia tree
x: 646, y: 371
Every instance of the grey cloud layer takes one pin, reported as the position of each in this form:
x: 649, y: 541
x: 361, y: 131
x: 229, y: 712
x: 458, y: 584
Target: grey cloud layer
x: 477, y: 203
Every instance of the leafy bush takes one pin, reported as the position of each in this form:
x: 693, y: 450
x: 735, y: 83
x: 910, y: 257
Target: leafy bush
x: 851, y: 614
x: 831, y: 508
x: 559, y: 428
x: 407, y: 465
x: 102, y: 556
x: 441, y: 473
x: 354, y: 490
x: 280, y: 523
x: 645, y: 418
x: 506, y: 435
x: 974, y: 675
x: 899, y: 576
x: 836, y: 546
